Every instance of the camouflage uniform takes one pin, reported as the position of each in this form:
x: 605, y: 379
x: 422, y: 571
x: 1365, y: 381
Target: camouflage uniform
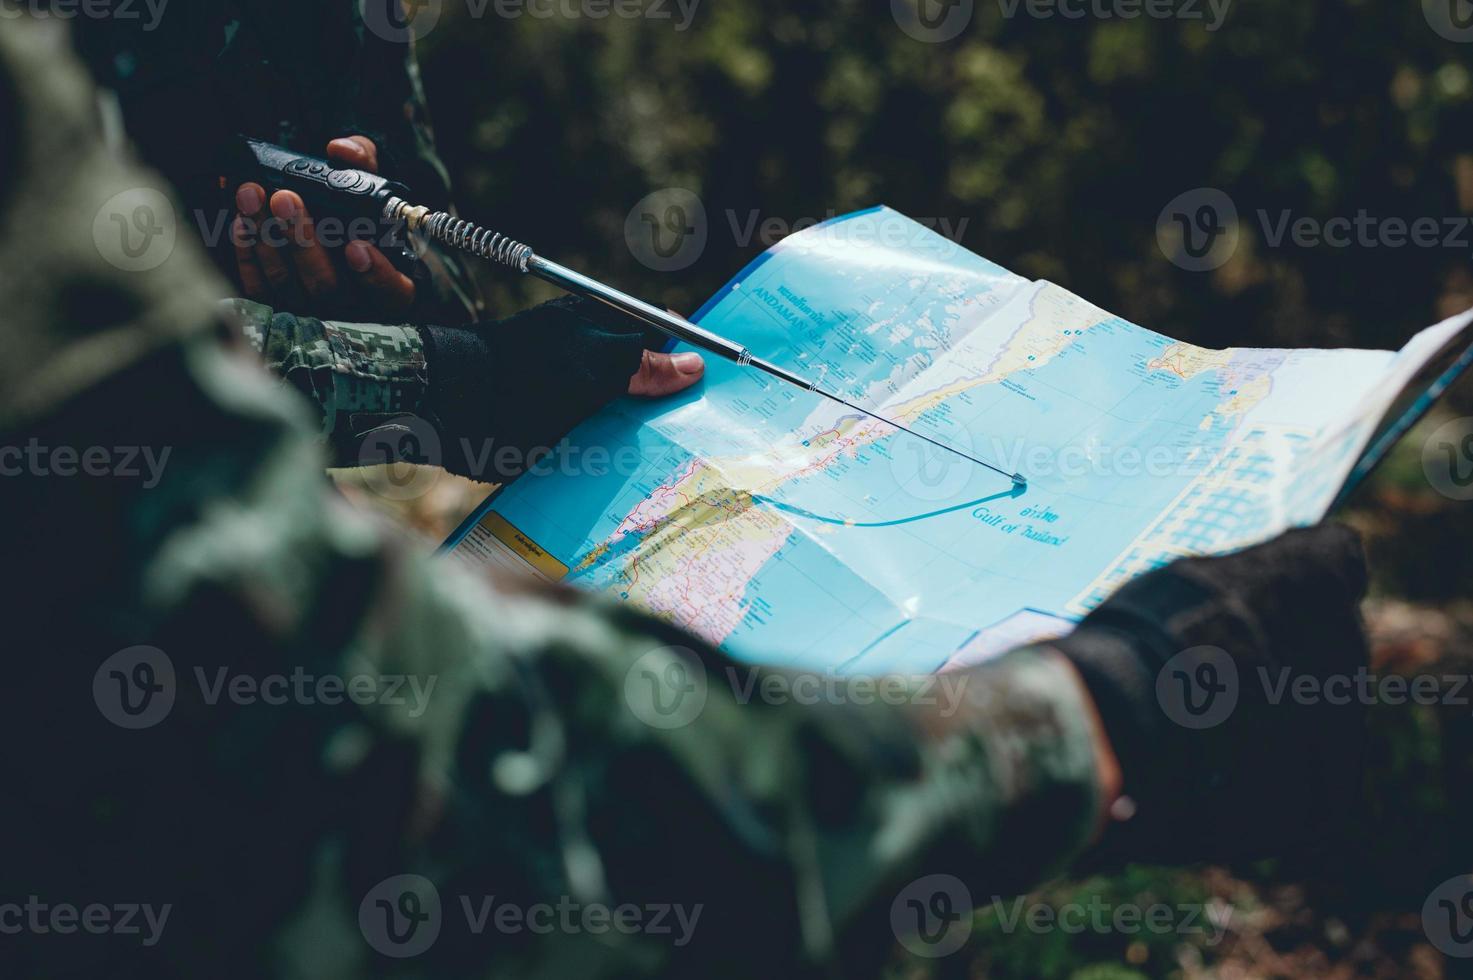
x: 359, y: 375
x: 542, y: 767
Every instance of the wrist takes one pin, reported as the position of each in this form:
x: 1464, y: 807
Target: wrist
x: 1109, y: 780
x: 1120, y: 680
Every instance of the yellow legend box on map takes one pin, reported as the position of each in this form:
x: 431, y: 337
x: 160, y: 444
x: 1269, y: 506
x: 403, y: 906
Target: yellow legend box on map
x: 529, y: 551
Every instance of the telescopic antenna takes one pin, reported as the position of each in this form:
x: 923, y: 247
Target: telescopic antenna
x: 460, y: 234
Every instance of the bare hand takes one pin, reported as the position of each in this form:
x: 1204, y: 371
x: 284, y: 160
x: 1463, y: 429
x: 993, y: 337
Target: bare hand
x: 292, y: 270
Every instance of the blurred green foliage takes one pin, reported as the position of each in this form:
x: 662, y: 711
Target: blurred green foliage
x: 1109, y: 936
x: 1057, y: 142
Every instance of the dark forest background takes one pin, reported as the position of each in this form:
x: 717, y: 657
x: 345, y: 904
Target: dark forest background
x: 1058, y: 142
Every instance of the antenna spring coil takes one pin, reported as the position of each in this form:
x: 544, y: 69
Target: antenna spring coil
x: 458, y: 233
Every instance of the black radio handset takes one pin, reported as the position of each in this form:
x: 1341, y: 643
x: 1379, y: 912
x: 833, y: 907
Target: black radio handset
x: 356, y: 199
x: 327, y: 190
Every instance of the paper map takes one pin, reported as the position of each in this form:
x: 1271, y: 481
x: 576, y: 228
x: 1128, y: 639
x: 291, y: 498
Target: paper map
x: 791, y: 531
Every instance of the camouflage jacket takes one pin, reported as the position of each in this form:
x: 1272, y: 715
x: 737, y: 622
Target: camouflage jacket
x: 257, y: 734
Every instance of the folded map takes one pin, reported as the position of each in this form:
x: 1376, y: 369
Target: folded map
x: 792, y: 531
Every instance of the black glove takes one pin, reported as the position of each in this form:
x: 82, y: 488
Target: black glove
x: 526, y: 381
x: 1193, y: 669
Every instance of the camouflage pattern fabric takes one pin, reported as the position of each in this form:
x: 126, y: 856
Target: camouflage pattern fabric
x: 357, y: 374
x: 259, y: 735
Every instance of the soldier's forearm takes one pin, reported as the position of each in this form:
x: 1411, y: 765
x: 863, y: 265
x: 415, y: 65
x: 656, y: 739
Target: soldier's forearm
x: 519, y: 384
x: 1041, y: 769
x: 357, y: 376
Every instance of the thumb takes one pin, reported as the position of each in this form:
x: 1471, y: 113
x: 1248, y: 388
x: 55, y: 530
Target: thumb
x: 354, y: 151
x: 665, y: 374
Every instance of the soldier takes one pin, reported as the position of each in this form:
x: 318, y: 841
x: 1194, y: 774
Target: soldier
x: 260, y: 735
x: 321, y: 79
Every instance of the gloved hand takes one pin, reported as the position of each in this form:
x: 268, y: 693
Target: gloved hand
x: 1193, y: 669
x: 526, y: 381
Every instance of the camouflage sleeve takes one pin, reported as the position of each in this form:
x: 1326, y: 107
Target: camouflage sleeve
x: 360, y: 376
x: 266, y: 736
x: 453, y: 397
x: 392, y: 761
